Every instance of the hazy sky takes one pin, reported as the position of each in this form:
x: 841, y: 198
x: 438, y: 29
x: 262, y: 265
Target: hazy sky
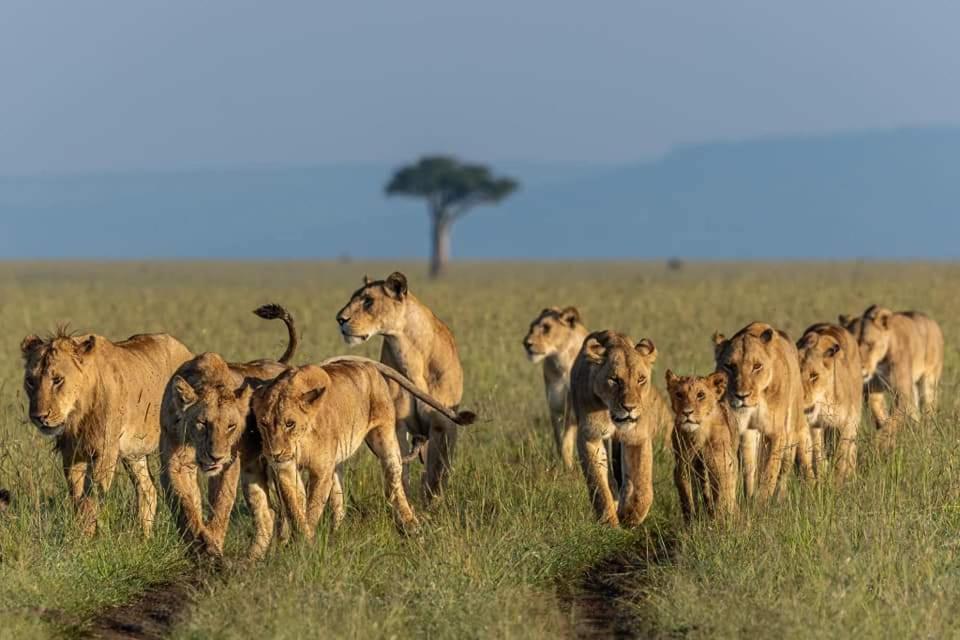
x: 126, y: 84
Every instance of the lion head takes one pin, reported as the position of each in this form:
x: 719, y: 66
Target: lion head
x: 375, y: 308
x: 748, y: 362
x: 212, y: 409
x: 56, y: 377
x: 551, y: 332
x: 819, y: 348
x: 695, y: 399
x: 873, y: 333
x: 286, y: 409
x: 622, y: 379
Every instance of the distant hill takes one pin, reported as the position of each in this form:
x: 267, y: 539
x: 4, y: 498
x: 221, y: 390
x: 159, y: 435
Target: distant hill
x: 877, y: 194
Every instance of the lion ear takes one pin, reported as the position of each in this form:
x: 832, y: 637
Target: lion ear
x: 647, y: 349
x: 312, y: 397
x: 718, y: 382
x: 85, y: 345
x: 832, y: 351
x: 672, y: 379
x: 570, y: 315
x: 806, y: 340
x: 28, y: 344
x: 396, y: 285
x: 719, y: 342
x: 767, y: 335
x: 883, y: 319
x: 244, y: 392
x: 593, y: 350
x: 843, y: 319
x: 183, y: 393
x: 366, y: 280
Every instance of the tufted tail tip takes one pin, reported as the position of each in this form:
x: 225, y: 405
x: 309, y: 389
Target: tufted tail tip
x: 270, y: 311
x: 465, y: 418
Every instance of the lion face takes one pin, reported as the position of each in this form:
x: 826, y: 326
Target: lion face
x: 551, y: 332
x: 285, y: 411
x: 54, y: 378
x: 748, y: 365
x: 874, y: 339
x: 213, y: 420
x: 376, y: 308
x: 818, y: 365
x: 622, y: 379
x: 694, y: 399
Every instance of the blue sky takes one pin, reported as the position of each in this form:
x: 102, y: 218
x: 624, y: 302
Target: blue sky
x: 122, y: 85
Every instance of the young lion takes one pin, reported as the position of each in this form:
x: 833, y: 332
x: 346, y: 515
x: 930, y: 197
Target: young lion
x: 555, y: 338
x: 206, y: 424
x: 899, y: 352
x: 421, y: 347
x: 315, y: 417
x: 766, y: 398
x: 832, y: 398
x: 704, y: 443
x: 613, y: 398
x: 100, y: 401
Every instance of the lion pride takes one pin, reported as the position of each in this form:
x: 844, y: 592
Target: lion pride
x: 100, y: 403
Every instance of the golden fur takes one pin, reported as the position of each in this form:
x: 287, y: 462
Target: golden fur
x: 704, y: 444
x: 832, y: 396
x: 315, y: 417
x: 420, y: 346
x: 100, y: 401
x: 207, y: 426
x: 555, y: 338
x: 901, y: 353
x: 765, y: 395
x: 613, y: 398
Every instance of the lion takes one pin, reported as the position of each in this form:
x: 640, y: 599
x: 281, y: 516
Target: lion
x: 613, y: 398
x: 555, y: 338
x: 421, y: 347
x: 832, y: 397
x: 315, y: 417
x: 704, y: 443
x: 100, y: 403
x: 207, y: 426
x: 765, y: 395
x: 902, y: 353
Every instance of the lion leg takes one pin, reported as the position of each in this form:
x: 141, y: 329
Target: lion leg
x: 721, y: 466
x: 76, y: 472
x: 178, y: 479
x: 222, y: 494
x: 336, y: 501
x: 806, y: 450
x: 638, y: 480
x: 139, y: 472
x: 291, y: 495
x: 568, y: 440
x: 681, y: 479
x: 382, y: 442
x: 443, y: 439
x: 846, y: 454
x: 928, y: 394
x: 319, y: 483
x: 749, y: 457
x: 254, y: 483
x: 593, y: 461
x: 776, y: 450
x: 101, y: 470
x: 558, y: 421
x: 819, y: 451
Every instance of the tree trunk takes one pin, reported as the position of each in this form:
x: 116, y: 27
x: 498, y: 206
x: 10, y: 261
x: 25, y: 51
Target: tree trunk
x: 440, y: 245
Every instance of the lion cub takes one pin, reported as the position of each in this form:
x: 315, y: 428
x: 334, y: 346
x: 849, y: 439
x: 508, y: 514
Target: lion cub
x: 902, y: 352
x: 832, y: 394
x: 704, y: 443
x: 613, y: 398
x: 555, y: 338
x: 316, y: 417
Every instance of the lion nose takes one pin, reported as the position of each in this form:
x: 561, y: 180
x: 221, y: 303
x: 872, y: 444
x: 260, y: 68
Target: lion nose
x: 743, y: 396
x: 341, y: 319
x: 40, y: 416
x: 215, y: 459
x: 688, y: 412
x: 629, y: 408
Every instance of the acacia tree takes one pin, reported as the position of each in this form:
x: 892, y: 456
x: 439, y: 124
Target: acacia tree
x: 451, y: 189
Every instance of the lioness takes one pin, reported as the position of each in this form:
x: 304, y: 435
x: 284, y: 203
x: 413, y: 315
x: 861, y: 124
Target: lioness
x: 899, y: 352
x: 315, y: 417
x: 420, y: 346
x: 207, y: 425
x: 766, y: 397
x: 100, y: 401
x: 704, y: 443
x: 832, y: 397
x: 613, y: 397
x: 555, y: 338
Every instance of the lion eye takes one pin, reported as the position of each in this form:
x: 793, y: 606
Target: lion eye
x: 201, y: 426
x: 368, y: 303
x: 290, y: 424
x: 813, y: 377
x: 642, y: 380
x: 546, y: 329
x: 57, y: 381
x: 701, y: 395
x: 28, y: 384
x: 613, y: 382
x: 231, y: 428
x: 757, y: 366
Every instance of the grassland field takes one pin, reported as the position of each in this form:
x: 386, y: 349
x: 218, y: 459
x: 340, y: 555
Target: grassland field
x: 503, y: 554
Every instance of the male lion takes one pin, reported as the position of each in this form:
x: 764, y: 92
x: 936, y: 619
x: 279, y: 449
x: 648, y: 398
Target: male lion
x: 206, y: 424
x: 766, y: 398
x: 901, y: 352
x: 316, y: 417
x: 555, y: 338
x: 100, y: 401
x: 420, y: 346
x: 832, y: 397
x: 704, y: 443
x: 613, y: 398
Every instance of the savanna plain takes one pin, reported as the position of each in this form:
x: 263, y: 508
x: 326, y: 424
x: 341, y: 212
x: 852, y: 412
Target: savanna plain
x: 511, y: 550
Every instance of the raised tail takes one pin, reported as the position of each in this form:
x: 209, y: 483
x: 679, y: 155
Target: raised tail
x: 462, y: 418
x: 274, y: 312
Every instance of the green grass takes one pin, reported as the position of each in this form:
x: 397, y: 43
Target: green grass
x: 876, y: 559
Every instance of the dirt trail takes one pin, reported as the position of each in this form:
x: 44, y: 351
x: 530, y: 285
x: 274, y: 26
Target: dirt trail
x: 607, y: 601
